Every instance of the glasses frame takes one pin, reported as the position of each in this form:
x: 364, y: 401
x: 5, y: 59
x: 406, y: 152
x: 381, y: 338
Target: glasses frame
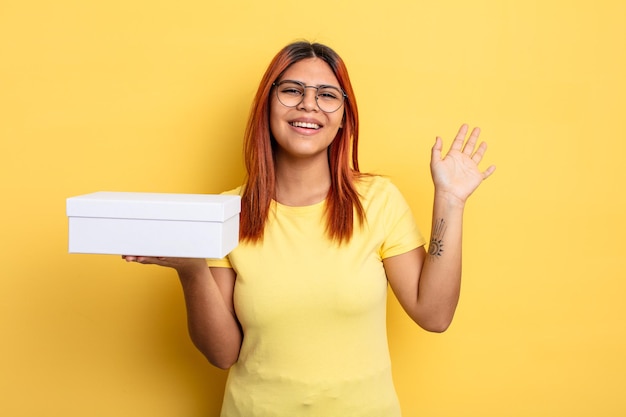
x: 344, y: 96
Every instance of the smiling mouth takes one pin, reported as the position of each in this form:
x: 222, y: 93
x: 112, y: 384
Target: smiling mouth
x: 305, y: 125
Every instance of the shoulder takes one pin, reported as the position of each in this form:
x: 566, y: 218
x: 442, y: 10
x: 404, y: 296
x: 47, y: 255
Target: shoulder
x: 381, y: 198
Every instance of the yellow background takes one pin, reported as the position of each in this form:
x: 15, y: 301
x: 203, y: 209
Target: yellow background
x: 137, y: 95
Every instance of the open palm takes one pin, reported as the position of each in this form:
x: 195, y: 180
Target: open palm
x: 457, y: 173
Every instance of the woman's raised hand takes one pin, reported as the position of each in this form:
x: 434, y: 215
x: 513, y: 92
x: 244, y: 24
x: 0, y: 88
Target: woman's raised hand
x: 457, y: 174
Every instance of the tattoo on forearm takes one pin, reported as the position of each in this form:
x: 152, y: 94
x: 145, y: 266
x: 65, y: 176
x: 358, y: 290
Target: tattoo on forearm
x: 435, y: 249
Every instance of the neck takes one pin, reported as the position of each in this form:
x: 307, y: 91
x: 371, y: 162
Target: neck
x: 302, y: 182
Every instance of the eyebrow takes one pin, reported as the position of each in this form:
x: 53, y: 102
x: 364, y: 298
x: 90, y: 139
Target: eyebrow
x: 304, y: 84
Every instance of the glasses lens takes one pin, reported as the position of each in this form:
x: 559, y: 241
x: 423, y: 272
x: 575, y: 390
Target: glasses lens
x: 329, y: 99
x: 290, y: 94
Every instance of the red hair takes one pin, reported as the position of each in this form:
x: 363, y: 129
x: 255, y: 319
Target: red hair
x: 342, y: 201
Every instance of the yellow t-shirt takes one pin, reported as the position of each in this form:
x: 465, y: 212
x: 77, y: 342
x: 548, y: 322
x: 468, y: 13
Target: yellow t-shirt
x: 313, y: 312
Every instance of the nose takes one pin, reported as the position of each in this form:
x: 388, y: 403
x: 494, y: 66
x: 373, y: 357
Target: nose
x: 309, y: 99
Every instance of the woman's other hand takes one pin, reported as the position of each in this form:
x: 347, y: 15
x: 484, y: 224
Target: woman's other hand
x: 184, y: 266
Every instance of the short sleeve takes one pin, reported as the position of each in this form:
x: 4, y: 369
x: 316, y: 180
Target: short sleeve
x: 401, y: 232
x: 219, y: 263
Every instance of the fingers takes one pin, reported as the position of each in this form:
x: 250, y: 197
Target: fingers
x: 437, y: 147
x: 144, y: 259
x: 471, y: 142
x: 457, y: 144
x: 489, y: 171
x: 469, y: 147
x: 480, y: 152
x: 478, y: 156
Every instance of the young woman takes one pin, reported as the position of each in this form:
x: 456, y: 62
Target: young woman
x: 297, y: 310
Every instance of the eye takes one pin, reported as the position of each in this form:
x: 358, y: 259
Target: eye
x: 291, y: 89
x: 329, y: 93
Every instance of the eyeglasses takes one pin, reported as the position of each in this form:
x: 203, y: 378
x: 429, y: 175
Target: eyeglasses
x: 291, y: 93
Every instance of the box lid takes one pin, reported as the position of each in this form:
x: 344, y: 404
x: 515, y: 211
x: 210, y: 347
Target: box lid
x: 155, y: 206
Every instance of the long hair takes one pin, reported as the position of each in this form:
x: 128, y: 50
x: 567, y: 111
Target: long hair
x: 342, y: 201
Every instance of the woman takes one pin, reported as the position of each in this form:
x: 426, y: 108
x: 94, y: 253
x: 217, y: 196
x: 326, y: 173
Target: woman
x: 297, y: 310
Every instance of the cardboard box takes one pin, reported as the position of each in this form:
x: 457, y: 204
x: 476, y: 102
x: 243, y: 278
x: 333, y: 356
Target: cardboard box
x: 150, y: 224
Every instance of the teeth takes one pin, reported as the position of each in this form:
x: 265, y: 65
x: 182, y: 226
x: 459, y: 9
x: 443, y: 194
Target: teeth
x: 305, y: 125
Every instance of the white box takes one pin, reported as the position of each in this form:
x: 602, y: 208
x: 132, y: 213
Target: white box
x: 152, y: 224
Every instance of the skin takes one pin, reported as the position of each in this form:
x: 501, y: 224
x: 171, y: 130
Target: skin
x: 426, y: 285
x: 302, y: 171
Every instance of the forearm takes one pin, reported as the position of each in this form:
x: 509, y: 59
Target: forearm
x: 428, y: 284
x: 440, y: 277
x: 213, y: 326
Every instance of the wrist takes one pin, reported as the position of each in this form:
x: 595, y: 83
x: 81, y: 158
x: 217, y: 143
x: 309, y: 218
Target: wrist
x: 449, y: 200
